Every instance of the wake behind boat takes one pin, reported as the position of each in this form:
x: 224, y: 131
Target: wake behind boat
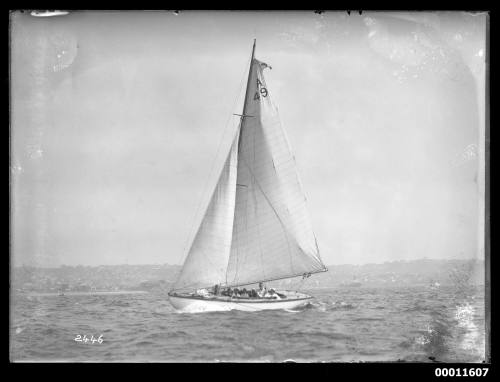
x: 255, y: 228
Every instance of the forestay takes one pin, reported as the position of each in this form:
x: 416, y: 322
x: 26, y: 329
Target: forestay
x: 256, y: 225
x: 206, y: 263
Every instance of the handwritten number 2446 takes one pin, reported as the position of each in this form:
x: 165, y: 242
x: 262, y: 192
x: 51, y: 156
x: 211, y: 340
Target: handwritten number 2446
x: 85, y: 339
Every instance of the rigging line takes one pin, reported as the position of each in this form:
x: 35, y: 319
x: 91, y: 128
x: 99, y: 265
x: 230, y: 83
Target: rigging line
x: 280, y: 180
x: 254, y: 281
x: 302, y: 283
x: 234, y: 231
x: 285, y: 231
x: 189, y: 239
x: 257, y: 205
x: 261, y: 77
x: 238, y: 226
x: 240, y: 131
x: 301, y: 274
x: 299, y: 182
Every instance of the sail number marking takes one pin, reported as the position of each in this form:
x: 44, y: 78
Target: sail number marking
x: 260, y: 89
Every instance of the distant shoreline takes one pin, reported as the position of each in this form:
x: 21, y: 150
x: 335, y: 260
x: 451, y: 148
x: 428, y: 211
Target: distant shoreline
x: 311, y: 288
x: 120, y: 280
x: 146, y: 265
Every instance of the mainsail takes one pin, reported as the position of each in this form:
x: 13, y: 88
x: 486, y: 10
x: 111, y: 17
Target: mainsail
x: 256, y: 226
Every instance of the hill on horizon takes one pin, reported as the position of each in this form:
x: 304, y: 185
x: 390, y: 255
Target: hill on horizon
x: 419, y: 260
x: 150, y: 277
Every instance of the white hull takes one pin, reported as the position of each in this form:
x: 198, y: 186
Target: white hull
x: 191, y: 304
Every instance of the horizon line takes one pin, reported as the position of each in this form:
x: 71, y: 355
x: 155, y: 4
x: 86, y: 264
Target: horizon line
x: 180, y: 265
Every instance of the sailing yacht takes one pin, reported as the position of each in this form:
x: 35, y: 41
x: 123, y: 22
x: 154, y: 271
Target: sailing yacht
x: 255, y: 228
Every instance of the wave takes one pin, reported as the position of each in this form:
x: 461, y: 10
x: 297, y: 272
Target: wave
x: 334, y: 326
x: 144, y: 343
x: 326, y: 306
x: 367, y: 319
x: 118, y: 303
x: 324, y: 335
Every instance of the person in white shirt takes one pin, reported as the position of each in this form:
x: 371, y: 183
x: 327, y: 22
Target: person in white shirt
x: 272, y: 294
x: 262, y: 290
x: 202, y: 292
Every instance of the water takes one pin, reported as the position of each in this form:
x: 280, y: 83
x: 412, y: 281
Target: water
x: 340, y: 325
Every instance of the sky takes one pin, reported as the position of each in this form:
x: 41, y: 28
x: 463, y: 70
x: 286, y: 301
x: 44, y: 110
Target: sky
x: 121, y: 121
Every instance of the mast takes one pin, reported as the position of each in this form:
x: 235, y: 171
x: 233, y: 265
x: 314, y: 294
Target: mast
x: 222, y: 238
x: 248, y: 82
x: 243, y: 113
